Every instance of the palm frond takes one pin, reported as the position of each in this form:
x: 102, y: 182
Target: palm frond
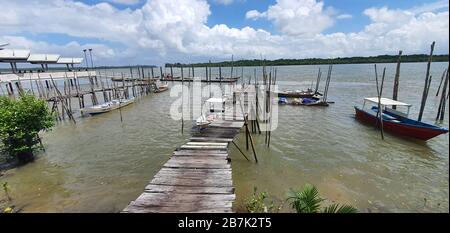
x: 305, y: 201
x: 342, y: 209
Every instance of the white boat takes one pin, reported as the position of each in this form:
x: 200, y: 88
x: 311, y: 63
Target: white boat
x: 161, y: 88
x: 107, y: 107
x: 202, y: 122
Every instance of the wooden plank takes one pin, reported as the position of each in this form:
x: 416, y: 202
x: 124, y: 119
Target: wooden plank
x: 192, y: 176
x: 195, y: 171
x: 193, y: 147
x: 165, y: 209
x: 197, y: 165
x: 213, y: 182
x: 203, y: 139
x: 200, y: 152
x: 188, y: 189
x: 178, y: 198
x: 207, y: 143
x: 201, y: 160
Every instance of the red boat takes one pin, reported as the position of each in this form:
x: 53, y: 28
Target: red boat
x: 397, y: 122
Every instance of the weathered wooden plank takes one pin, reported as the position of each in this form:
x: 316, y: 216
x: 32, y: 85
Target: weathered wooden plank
x: 204, y: 139
x: 227, y: 124
x: 201, y: 173
x: 213, y: 182
x: 195, y: 170
x: 192, y: 176
x: 193, y: 147
x: 170, y: 209
x: 188, y: 189
x: 178, y: 198
x: 207, y: 143
x: 196, y: 165
x: 198, y: 159
x: 219, y: 155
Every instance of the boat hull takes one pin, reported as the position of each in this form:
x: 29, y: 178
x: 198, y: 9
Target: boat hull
x: 96, y: 110
x: 399, y: 128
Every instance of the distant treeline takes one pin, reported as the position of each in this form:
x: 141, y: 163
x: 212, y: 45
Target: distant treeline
x: 321, y: 61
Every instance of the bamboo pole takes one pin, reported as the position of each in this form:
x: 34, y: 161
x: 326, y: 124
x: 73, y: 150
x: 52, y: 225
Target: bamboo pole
x: 182, y: 101
x: 396, y: 79
x: 442, y: 102
x: 240, y: 150
x: 380, y: 107
x: 426, y: 87
x: 440, y: 83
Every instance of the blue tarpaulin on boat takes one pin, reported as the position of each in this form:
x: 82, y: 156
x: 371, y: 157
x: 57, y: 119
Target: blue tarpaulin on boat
x: 308, y: 100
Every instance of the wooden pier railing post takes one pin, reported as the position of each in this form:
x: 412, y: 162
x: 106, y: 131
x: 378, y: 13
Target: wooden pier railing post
x: 425, y: 88
x: 396, y: 79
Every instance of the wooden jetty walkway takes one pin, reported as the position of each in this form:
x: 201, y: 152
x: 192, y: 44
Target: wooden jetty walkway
x: 198, y: 176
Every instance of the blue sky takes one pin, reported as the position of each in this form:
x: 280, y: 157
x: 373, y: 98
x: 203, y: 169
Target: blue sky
x: 156, y: 31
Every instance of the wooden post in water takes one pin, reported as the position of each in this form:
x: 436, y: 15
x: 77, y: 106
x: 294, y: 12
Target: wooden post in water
x: 425, y: 89
x: 182, y: 100
x: 380, y: 107
x: 397, y: 79
x: 442, y: 102
x: 231, y: 74
x: 318, y: 81
x: 153, y: 75
x: 220, y: 73
x: 240, y: 150
x: 440, y: 83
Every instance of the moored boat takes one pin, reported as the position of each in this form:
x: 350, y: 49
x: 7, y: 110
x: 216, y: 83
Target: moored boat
x: 161, y: 88
x: 397, y: 122
x: 107, y: 107
x: 202, y: 122
x: 298, y: 94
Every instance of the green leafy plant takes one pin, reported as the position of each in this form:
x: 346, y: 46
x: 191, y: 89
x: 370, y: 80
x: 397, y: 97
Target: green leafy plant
x: 259, y: 203
x: 308, y: 200
x: 6, y: 189
x: 21, y: 120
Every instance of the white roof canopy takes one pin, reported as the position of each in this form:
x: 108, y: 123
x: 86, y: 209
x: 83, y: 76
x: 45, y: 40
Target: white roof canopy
x: 14, y: 54
x: 43, y: 58
x: 386, y: 101
x: 69, y: 60
x: 216, y: 100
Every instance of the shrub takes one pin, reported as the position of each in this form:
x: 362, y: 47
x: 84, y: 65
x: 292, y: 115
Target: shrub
x: 21, y: 120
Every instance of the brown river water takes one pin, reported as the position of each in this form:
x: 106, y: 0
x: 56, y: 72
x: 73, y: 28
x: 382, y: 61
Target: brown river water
x: 101, y: 164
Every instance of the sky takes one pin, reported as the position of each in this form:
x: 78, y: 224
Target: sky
x: 144, y: 32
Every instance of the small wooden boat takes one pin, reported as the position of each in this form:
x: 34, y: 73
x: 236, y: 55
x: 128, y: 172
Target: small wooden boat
x: 107, y: 107
x: 161, y: 88
x: 298, y: 94
x: 395, y: 121
x: 202, y: 122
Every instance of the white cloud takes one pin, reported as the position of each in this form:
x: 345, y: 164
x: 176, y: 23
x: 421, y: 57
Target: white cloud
x: 170, y: 31
x: 344, y: 16
x: 254, y: 14
x: 125, y: 2
x: 297, y: 17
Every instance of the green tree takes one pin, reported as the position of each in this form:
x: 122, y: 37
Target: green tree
x: 21, y: 120
x: 309, y: 201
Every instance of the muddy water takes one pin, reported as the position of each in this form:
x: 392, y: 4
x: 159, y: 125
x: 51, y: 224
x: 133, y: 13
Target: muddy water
x: 100, y: 164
